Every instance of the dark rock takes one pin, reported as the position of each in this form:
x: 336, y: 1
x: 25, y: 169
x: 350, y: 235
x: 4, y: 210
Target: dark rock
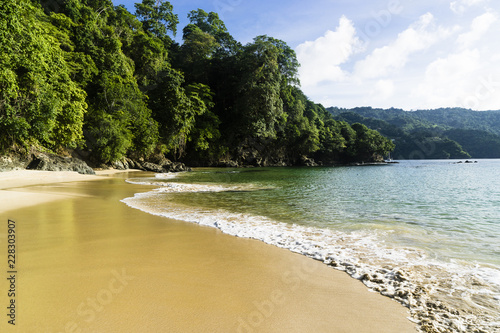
x: 50, y: 162
x: 250, y: 156
x: 125, y: 164
x: 148, y: 166
x: 120, y: 165
x: 175, y: 167
x: 159, y: 159
x: 306, y: 161
x: 14, y: 162
x: 227, y: 164
x: 133, y: 164
x: 164, y: 165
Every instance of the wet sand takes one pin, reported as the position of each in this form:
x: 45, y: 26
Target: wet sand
x: 89, y: 263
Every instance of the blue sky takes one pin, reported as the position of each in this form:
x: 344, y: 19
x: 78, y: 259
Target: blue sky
x: 383, y: 53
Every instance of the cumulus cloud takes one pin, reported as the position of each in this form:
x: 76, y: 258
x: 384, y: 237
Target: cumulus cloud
x: 480, y: 26
x: 446, y: 81
x: 322, y: 58
x: 428, y: 64
x: 385, y: 60
x: 468, y: 77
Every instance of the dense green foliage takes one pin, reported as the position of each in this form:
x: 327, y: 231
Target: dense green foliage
x: 441, y: 133
x: 39, y: 100
x: 81, y: 74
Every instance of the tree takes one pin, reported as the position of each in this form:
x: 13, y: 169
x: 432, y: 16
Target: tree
x: 211, y: 24
x: 176, y: 108
x: 119, y: 120
x: 369, y: 144
x: 149, y: 57
x: 196, y: 53
x: 300, y: 136
x: 259, y: 105
x: 125, y: 24
x: 287, y: 60
x: 157, y: 17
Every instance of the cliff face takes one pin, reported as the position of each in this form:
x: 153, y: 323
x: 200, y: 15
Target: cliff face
x: 14, y: 162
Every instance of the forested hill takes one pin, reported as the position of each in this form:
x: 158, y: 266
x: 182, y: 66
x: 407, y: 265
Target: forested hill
x: 86, y: 77
x: 439, y: 133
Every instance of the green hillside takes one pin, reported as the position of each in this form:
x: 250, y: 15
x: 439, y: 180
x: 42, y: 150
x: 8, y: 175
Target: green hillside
x: 440, y: 133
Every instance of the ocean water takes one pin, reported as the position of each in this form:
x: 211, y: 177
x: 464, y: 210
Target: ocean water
x: 426, y: 233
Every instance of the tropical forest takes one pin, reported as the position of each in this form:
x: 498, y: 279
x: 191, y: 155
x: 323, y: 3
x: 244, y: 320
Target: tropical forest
x: 88, y: 79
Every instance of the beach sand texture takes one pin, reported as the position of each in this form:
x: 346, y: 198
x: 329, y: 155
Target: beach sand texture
x: 87, y: 262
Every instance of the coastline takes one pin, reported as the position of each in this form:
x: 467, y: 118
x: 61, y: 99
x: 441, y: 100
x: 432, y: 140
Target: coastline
x: 175, y: 276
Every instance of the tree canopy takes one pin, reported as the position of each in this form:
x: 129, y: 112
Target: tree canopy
x: 91, y: 76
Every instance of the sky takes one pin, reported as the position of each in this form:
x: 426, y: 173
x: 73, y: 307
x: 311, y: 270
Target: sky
x: 409, y: 54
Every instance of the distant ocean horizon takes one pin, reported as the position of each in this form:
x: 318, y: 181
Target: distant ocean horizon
x: 424, y: 232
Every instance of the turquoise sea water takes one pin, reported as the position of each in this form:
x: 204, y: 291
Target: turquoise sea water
x: 426, y: 233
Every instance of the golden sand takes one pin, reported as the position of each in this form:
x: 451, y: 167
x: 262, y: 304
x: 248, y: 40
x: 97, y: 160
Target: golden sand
x: 88, y: 263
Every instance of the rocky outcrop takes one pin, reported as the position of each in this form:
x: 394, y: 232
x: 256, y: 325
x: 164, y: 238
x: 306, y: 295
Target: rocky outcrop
x: 43, y: 161
x: 50, y: 162
x: 158, y: 165
x: 306, y: 161
x: 226, y: 164
x: 177, y: 167
x: 148, y: 166
x: 14, y: 162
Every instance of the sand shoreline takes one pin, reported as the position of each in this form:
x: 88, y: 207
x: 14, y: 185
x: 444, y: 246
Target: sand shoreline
x: 175, y: 276
x: 14, y: 195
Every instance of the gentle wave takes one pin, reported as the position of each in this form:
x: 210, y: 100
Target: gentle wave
x: 441, y: 296
x: 173, y: 187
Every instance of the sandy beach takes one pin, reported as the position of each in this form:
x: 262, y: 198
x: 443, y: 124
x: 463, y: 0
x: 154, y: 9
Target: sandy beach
x: 87, y: 262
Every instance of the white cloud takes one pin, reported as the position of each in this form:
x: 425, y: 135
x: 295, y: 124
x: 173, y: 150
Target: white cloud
x: 480, y: 25
x: 453, y: 63
x: 447, y: 81
x: 382, y: 90
x: 461, y: 6
x: 321, y: 59
x: 467, y: 77
x: 385, y: 60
